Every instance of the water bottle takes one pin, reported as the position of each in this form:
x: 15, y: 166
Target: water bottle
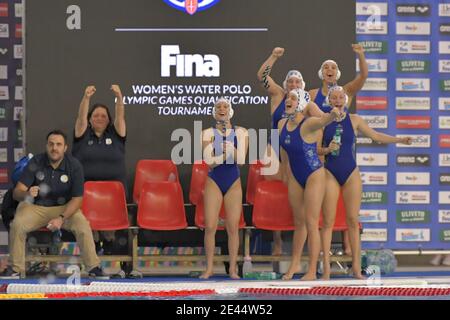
x: 247, y: 267
x: 337, y: 138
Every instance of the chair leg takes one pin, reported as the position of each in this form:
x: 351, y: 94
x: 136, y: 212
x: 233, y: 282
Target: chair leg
x: 133, y: 242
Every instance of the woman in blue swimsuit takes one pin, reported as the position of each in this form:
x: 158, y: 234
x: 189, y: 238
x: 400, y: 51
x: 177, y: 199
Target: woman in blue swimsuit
x: 343, y: 173
x: 298, y: 141
x: 277, y: 93
x: 329, y: 73
x: 224, y: 149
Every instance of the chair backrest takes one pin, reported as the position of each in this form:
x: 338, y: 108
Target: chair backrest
x: 161, y: 207
x: 105, y: 205
x: 153, y: 170
x: 254, y: 176
x: 200, y: 216
x: 271, y: 209
x: 198, y: 178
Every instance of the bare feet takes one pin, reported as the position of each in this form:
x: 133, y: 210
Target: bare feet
x: 325, y: 276
x: 290, y: 273
x: 234, y: 276
x: 287, y: 276
x: 206, y: 274
x: 309, y: 277
x: 359, y: 276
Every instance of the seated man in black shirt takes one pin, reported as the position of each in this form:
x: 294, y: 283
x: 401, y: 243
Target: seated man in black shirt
x: 50, y: 192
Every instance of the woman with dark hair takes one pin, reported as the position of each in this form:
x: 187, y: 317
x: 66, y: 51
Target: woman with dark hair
x: 99, y: 144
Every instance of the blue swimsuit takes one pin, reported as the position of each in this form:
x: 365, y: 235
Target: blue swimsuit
x: 320, y: 101
x: 303, y: 157
x: 278, y: 113
x: 342, y: 165
x: 226, y: 174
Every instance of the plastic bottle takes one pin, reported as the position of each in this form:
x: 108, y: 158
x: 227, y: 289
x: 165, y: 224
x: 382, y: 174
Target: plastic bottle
x: 337, y: 138
x: 247, y: 268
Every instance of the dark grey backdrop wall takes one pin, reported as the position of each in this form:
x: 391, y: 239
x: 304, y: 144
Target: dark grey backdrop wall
x: 61, y: 62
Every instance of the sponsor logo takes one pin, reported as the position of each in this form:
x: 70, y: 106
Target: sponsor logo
x: 375, y: 84
x: 374, y: 65
x: 364, y: 27
x: 422, y: 66
x: 413, y: 10
x: 413, y: 197
x: 374, y: 178
x: 18, y: 32
x: 444, y: 66
x: 378, y: 197
x: 371, y: 159
x: 2, y: 113
x: 444, y: 179
x: 413, y: 122
x: 444, y: 104
x: 406, y: 235
x: 4, y: 175
x: 412, y: 84
x: 444, y: 29
x: 413, y: 216
x: 371, y: 8
x: 444, y: 85
x: 444, y: 197
x: 379, y: 122
x: 18, y: 9
x: 419, y: 160
x: 444, y: 9
x: 444, y: 47
x: 414, y: 28
x: 413, y: 103
x: 444, y: 140
x: 4, y: 30
x: 369, y: 235
x: 18, y: 51
x: 368, y: 142
x: 371, y: 46
x: 191, y: 6
x: 444, y: 216
x: 413, y: 178
x: 418, y: 141
x: 3, y: 155
x: 3, y: 9
x: 414, y: 47
x: 444, y: 235
x: 372, y: 216
x: 444, y: 122
x: 371, y: 103
x: 185, y: 64
x: 18, y: 153
x: 444, y: 160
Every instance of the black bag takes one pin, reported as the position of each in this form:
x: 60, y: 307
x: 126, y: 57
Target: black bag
x: 9, y: 206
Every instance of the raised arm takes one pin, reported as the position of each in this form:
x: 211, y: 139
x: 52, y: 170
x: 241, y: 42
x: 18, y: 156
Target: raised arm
x: 312, y: 110
x: 119, y: 121
x: 356, y: 84
x: 316, y: 123
x: 263, y: 73
x: 82, y: 121
x: 363, y: 127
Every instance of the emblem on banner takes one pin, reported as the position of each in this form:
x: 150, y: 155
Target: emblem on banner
x: 191, y: 6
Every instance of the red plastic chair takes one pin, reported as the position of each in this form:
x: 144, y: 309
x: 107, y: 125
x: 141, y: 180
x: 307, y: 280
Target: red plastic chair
x: 198, y: 178
x: 200, y: 217
x: 105, y: 205
x: 153, y: 170
x: 161, y: 207
x: 254, y: 176
x: 271, y: 209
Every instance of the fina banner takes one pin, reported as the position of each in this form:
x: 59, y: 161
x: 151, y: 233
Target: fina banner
x: 406, y: 200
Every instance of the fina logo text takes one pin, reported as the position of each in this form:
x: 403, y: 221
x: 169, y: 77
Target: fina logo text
x: 191, y: 6
x: 185, y: 64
